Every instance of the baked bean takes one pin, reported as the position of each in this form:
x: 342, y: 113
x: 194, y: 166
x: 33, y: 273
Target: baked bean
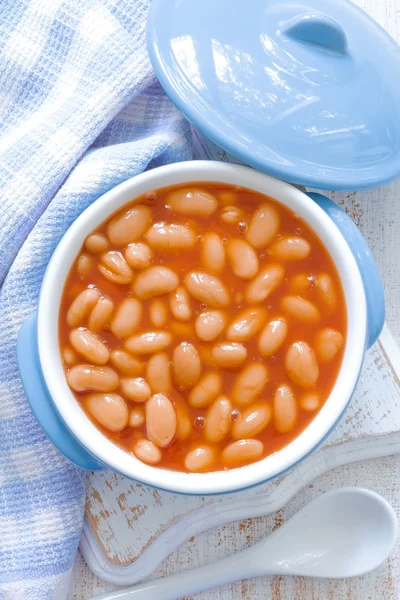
x: 246, y: 324
x: 242, y: 451
x: 243, y: 259
x: 229, y: 355
x: 272, y: 337
x: 263, y: 227
x: 138, y: 255
x: 126, y: 363
x: 328, y: 342
x: 186, y: 365
x: 309, y: 402
x: 232, y: 215
x: 210, y: 324
x: 301, y: 365
x: 301, y: 284
x: 86, y: 378
x: 180, y: 304
x: 252, y: 421
x: 301, y: 309
x: 147, y: 452
x: 171, y: 237
x: 192, y: 202
x: 70, y: 356
x: 218, y: 421
x: 212, y: 252
x: 290, y: 248
x: 199, y: 459
x: 110, y: 410
x: 226, y: 197
x: 115, y: 268
x: 183, y: 423
x: 326, y: 291
x: 155, y: 281
x: 81, y: 306
x: 249, y: 384
x: 88, y: 345
x: 285, y: 409
x: 207, y: 289
x: 101, y: 314
x: 96, y: 243
x: 127, y: 318
x: 150, y: 342
x: 136, y: 417
x: 266, y: 282
x: 136, y: 389
x: 179, y: 329
x: 128, y: 226
x: 84, y: 265
x: 158, y: 313
x: 158, y: 373
x: 206, y: 390
x: 160, y: 420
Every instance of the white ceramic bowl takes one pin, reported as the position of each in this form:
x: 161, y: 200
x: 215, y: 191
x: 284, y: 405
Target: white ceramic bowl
x: 357, y: 276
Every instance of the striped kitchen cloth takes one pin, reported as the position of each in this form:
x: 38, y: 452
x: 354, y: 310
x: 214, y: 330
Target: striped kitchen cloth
x: 80, y: 112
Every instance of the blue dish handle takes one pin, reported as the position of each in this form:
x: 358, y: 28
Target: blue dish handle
x: 366, y: 264
x: 41, y: 403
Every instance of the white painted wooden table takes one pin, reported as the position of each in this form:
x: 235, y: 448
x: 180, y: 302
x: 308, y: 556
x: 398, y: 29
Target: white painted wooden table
x: 377, y: 214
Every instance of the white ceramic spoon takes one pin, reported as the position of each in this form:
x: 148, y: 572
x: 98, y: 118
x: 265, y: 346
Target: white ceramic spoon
x: 343, y: 533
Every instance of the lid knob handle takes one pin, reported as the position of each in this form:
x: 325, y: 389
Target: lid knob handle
x: 318, y: 30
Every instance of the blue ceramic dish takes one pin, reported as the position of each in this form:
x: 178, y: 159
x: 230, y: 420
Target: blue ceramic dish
x: 39, y: 357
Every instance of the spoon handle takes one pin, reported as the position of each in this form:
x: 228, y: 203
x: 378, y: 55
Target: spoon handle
x: 238, y: 566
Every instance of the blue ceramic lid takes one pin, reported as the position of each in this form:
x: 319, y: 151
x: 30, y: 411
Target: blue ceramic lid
x: 307, y: 90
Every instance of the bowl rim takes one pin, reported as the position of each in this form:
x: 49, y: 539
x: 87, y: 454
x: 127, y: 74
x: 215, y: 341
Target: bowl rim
x: 50, y: 357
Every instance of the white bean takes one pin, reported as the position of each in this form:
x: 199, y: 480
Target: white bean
x: 136, y: 389
x: 171, y: 237
x: 155, y: 281
x: 70, y: 356
x: 326, y: 291
x: 309, y: 402
x: 301, y: 309
x: 158, y: 373
x: 207, y: 289
x: 88, y: 345
x: 136, y: 417
x: 252, y: 421
x: 243, y: 258
x: 246, y: 324
x: 96, y: 243
x: 303, y: 283
x: 127, y: 318
x: 272, y: 337
x: 249, y: 384
x: 138, y: 255
x: 110, y: 410
x: 179, y: 303
x: 84, y: 265
x: 101, y: 314
x: 290, y: 248
x: 301, y: 365
x: 147, y: 452
x: 81, y: 306
x: 150, y: 342
x: 232, y: 215
x: 210, y: 324
x: 192, y: 202
x: 129, y: 226
x: 285, y: 409
x: 115, y: 268
x: 263, y: 227
x: 158, y: 313
x: 186, y: 365
x: 218, y: 421
x: 212, y: 252
x: 242, y: 451
x: 229, y: 355
x: 206, y: 390
x: 199, y: 459
x: 183, y: 423
x: 266, y: 282
x: 124, y: 362
x: 85, y: 378
x: 328, y: 342
x: 160, y: 420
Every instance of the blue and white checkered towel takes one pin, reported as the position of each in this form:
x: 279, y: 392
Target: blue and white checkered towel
x: 80, y: 111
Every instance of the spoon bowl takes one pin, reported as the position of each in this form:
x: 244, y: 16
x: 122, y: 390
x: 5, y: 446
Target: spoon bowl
x: 344, y: 533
